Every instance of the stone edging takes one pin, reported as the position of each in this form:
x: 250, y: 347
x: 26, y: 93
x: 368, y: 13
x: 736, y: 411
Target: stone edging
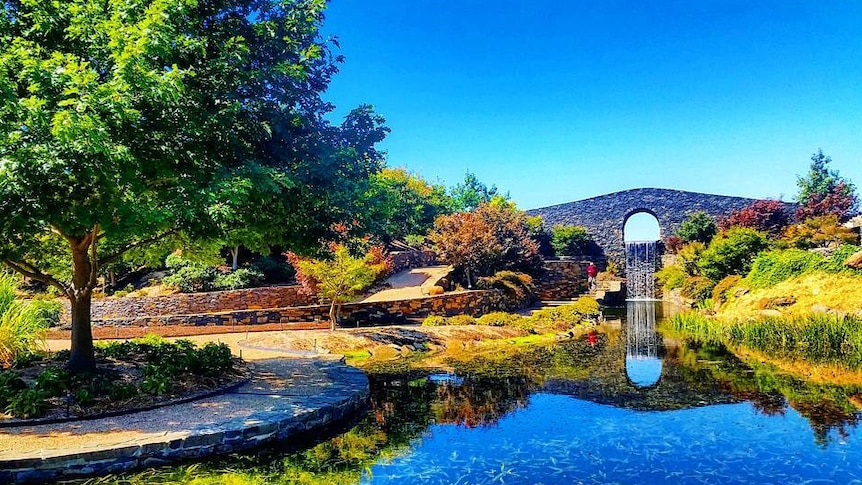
x: 111, y: 414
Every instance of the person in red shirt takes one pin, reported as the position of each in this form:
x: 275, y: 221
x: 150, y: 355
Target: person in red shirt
x: 592, y: 273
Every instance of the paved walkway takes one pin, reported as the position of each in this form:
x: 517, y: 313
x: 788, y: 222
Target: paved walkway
x: 285, y: 397
x: 411, y: 283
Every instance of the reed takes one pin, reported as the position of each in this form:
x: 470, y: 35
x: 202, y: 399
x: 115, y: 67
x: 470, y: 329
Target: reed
x: 817, y: 338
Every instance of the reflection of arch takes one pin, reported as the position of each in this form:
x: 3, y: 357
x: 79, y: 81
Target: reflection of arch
x: 643, y: 344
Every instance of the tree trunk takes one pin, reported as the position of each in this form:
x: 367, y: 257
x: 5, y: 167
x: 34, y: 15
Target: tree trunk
x: 332, y: 316
x: 234, y: 251
x: 82, y: 357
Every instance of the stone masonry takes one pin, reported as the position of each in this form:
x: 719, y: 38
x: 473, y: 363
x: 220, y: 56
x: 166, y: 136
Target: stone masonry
x: 474, y: 303
x: 561, y: 280
x: 605, y: 216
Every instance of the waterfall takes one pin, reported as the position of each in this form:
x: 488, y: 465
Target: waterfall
x: 641, y: 260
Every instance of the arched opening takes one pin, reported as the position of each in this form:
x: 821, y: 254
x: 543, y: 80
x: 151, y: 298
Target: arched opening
x: 641, y: 226
x: 641, y: 231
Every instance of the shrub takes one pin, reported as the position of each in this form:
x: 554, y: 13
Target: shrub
x: 517, y: 288
x: 698, y: 227
x: 773, y: 267
x: 434, y: 321
x: 499, y: 319
x: 697, y: 288
x: 762, y: 215
x: 29, y: 403
x: 21, y: 326
x: 731, y: 252
x: 563, y: 316
x: 835, y: 262
x: 721, y: 291
x: 238, y: 278
x: 213, y: 360
x: 688, y: 256
x: 154, y: 382
x: 670, y: 277
x: 47, y: 312
x: 461, y: 320
x: 673, y: 244
x: 570, y: 240
x: 192, y: 278
x: 53, y: 381
x: 612, y: 268
x: 10, y: 386
x: 816, y: 232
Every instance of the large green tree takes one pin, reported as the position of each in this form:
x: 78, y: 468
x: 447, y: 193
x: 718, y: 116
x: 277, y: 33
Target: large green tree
x: 823, y: 191
x: 122, y: 121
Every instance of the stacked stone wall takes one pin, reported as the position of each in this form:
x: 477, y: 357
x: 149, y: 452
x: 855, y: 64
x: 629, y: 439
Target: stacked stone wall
x: 473, y: 303
x: 402, y: 260
x: 561, y: 280
x: 194, y: 303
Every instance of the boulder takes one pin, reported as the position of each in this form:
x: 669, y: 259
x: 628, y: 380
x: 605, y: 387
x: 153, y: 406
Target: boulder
x: 855, y: 260
x: 770, y: 313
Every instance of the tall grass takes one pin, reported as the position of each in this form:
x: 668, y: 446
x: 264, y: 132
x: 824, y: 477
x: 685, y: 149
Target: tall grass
x: 816, y: 338
x: 22, y: 328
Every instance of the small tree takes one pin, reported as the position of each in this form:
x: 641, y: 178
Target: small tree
x: 471, y: 193
x: 570, y: 240
x: 341, y: 278
x: 816, y: 232
x: 762, y: 215
x: 697, y: 227
x: 823, y: 191
x: 493, y: 237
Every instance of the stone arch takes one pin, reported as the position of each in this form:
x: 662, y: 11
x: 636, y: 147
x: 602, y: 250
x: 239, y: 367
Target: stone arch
x: 604, y: 216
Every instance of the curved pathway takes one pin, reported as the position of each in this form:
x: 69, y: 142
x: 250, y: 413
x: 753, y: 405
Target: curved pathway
x: 285, y: 397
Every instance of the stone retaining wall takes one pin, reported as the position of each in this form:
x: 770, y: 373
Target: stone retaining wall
x: 562, y: 280
x: 473, y: 303
x: 192, y: 303
x: 402, y: 260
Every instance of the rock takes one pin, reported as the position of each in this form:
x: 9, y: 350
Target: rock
x: 855, y: 260
x: 770, y: 313
x: 820, y: 308
x: 740, y: 291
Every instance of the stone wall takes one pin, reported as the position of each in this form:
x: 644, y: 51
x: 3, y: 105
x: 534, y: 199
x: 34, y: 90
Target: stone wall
x: 561, y: 280
x: 605, y: 216
x: 352, y: 314
x: 194, y: 303
x: 402, y: 260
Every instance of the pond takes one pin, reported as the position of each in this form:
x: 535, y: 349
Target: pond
x: 620, y: 405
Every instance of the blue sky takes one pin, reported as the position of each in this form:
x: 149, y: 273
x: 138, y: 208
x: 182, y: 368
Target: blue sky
x: 561, y: 100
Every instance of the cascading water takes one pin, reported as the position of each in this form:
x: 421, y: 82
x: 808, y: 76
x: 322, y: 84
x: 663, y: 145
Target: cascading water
x: 643, y: 364
x: 641, y: 258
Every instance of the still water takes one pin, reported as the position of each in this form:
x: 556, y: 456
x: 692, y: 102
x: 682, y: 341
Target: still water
x: 623, y: 405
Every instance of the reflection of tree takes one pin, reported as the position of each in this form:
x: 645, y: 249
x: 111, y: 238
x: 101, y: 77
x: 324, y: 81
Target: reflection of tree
x: 479, y: 401
x: 826, y: 407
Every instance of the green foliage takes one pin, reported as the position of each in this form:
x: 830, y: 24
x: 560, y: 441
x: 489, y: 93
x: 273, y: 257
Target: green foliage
x: 517, y: 288
x: 434, y: 321
x: 461, y: 320
x: 123, y: 123
x: 499, y: 319
x: 688, y: 257
x: 274, y: 270
x: 697, y: 288
x: 731, y: 252
x: 238, y: 278
x: 10, y: 386
x: 671, y: 277
x: 192, y: 278
x: 155, y: 382
x: 818, y: 338
x: 53, y: 381
x: 22, y: 324
x: 469, y: 194
x: 27, y: 404
x: 773, y: 267
x: 570, y: 240
x: 46, y: 312
x: 401, y: 204
x: 721, y: 292
x: 823, y: 191
x: 699, y: 227
x: 584, y: 310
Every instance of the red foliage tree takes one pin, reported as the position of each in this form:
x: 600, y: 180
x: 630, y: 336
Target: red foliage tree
x: 841, y: 202
x: 762, y: 215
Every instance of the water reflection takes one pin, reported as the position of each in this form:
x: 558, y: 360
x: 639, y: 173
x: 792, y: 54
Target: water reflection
x: 643, y: 364
x: 573, y: 412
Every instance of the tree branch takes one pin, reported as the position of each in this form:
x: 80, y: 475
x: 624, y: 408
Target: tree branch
x: 116, y: 255
x: 32, y: 272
